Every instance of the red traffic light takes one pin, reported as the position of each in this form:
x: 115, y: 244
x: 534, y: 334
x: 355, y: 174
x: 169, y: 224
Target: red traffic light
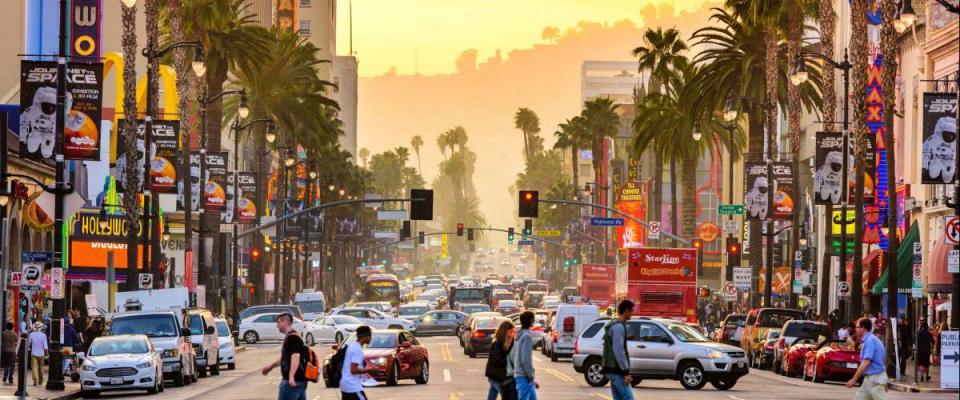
x: 529, y: 203
x: 698, y: 244
x: 459, y: 229
x: 733, y: 248
x: 255, y: 254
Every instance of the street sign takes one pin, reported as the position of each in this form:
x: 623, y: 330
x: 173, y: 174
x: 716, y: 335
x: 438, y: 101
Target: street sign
x: 730, y: 226
x: 654, y: 230
x: 742, y: 277
x: 729, y: 292
x: 843, y: 290
x: 443, y: 246
x: 525, y: 243
x: 602, y: 221
x: 836, y: 246
x: 797, y: 282
x: 548, y: 233
x: 951, y: 230
x: 730, y: 209
x: 56, y: 283
x: 916, y: 289
x: 31, y: 277
x: 16, y: 279
x: 950, y: 362
x: 146, y: 281
x: 953, y: 261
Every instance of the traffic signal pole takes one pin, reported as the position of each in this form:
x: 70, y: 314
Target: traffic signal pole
x: 615, y: 211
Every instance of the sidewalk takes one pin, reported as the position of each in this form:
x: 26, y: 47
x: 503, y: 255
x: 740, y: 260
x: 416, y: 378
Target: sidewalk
x: 72, y: 391
x: 906, y: 384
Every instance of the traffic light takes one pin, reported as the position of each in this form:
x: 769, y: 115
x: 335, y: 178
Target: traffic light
x: 459, y: 229
x: 698, y: 246
x: 255, y: 254
x: 703, y: 291
x: 510, y: 235
x: 733, y: 256
x: 421, y: 206
x: 529, y: 200
x: 422, y: 238
x: 470, y: 234
x: 405, y: 230
x: 528, y: 227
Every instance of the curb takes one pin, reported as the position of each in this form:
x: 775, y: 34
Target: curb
x: 240, y: 349
x: 906, y: 388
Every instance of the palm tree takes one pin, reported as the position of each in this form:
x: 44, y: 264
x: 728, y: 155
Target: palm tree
x: 827, y: 19
x: 600, y: 122
x: 364, y: 154
x: 890, y: 48
x: 442, y: 142
x: 859, y: 135
x: 131, y: 196
x: 570, y: 134
x: 528, y: 123
x: 416, y: 142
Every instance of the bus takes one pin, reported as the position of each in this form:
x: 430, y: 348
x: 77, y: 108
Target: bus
x: 381, y: 287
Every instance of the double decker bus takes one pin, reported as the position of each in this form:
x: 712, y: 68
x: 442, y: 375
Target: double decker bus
x: 381, y: 287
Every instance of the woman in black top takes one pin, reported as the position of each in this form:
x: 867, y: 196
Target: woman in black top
x: 924, y: 346
x: 496, y: 371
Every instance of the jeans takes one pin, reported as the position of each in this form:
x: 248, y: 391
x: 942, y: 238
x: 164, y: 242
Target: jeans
x: 292, y: 393
x: 9, y: 361
x: 495, y: 389
x: 619, y: 389
x: 526, y: 390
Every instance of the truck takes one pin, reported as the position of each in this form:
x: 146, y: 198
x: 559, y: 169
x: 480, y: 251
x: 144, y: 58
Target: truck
x: 312, y: 302
x: 150, y: 300
x: 468, y: 295
x: 598, y: 284
x: 663, y: 282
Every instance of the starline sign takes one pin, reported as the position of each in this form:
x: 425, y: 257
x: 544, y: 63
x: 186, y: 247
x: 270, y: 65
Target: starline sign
x: 662, y: 266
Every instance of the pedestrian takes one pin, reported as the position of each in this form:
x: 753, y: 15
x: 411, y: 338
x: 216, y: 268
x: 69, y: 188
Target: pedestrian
x: 293, y: 353
x: 39, y: 350
x: 496, y: 369
x: 616, y: 359
x: 94, y: 330
x: 9, y: 353
x: 524, y: 374
x: 905, y: 336
x: 872, y: 359
x: 71, y: 338
x: 354, y: 369
x: 924, y: 348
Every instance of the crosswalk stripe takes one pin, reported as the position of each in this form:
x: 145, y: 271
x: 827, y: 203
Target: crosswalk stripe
x: 446, y: 375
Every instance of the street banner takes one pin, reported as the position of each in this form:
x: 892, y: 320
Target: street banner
x: 758, y: 195
x: 916, y: 290
x: 827, y: 178
x: 122, y: 168
x: 783, y: 195
x: 227, y: 216
x: 938, y: 162
x: 214, y: 193
x: 38, y: 106
x: 285, y: 12
x: 649, y: 265
x: 246, y: 193
x: 194, y: 184
x: 85, y: 18
x: 163, y: 167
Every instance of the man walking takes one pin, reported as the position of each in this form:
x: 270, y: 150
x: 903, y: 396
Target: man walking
x: 354, y: 369
x: 9, y: 353
x: 616, y: 360
x: 872, y: 359
x: 523, y: 372
x: 39, y: 350
x: 293, y: 384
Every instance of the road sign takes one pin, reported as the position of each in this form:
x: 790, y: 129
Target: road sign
x: 548, y: 233
x: 730, y: 226
x: 950, y: 362
x: 916, y: 289
x: 525, y: 243
x: 729, y: 292
x: 843, y: 290
x: 602, y: 221
x: 654, y: 230
x: 953, y: 261
x: 146, y: 281
x: 742, y: 277
x: 730, y: 209
x: 16, y: 279
x: 56, y: 283
x: 31, y: 277
x: 951, y: 230
x: 797, y: 280
x: 836, y: 246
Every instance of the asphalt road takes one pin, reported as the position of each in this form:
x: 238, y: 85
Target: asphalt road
x: 455, y: 376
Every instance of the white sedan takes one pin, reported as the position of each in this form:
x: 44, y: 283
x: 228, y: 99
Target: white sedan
x: 262, y: 327
x: 375, y: 319
x: 227, y: 351
x: 334, y: 328
x: 122, y: 362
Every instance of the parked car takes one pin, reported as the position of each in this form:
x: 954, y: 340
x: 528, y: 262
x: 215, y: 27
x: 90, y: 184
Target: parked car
x: 796, y: 330
x: 411, y: 312
x: 333, y: 328
x: 480, y: 337
x: 206, y: 344
x: 792, y: 361
x: 121, y: 362
x: 376, y: 319
x: 758, y: 322
x: 731, y: 328
x: 565, y: 327
x: 473, y: 308
x: 168, y: 336
x: 263, y: 327
x: 293, y: 309
x: 227, y: 351
x: 831, y: 360
x: 663, y: 349
x: 764, y: 358
x: 441, y: 322
x: 311, y: 302
x: 395, y: 353
x: 507, y: 307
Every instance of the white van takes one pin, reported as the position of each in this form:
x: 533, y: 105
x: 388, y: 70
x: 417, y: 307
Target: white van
x: 312, y: 303
x: 565, y: 327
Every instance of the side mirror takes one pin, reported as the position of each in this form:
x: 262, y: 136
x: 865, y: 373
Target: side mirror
x: 405, y: 345
x: 185, y: 332
x: 335, y: 347
x: 666, y: 339
x: 211, y: 330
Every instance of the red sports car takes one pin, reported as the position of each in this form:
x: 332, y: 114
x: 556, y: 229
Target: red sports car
x: 396, y: 354
x: 794, y: 357
x: 831, y: 360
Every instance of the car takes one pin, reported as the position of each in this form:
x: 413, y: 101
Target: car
x: 262, y: 327
x: 417, y: 281
x: 793, y: 359
x: 395, y: 353
x: 793, y: 331
x: 429, y: 298
x: 206, y: 343
x: 411, y: 312
x: 551, y: 304
x: 376, y: 319
x: 293, y: 309
x: 831, y: 360
x: 481, y: 335
x: 382, y: 306
x: 731, y: 328
x: 663, y: 349
x: 121, y: 362
x: 764, y: 357
x: 443, y: 322
x: 501, y: 295
x: 758, y: 322
x: 332, y: 328
x: 506, y: 307
x: 473, y: 308
x: 565, y: 327
x: 569, y: 292
x: 533, y: 299
x: 227, y: 351
x: 311, y: 302
x: 168, y: 336
x: 469, y: 323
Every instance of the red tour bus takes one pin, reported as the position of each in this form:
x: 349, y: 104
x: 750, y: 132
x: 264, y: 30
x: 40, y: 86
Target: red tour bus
x: 598, y: 282
x: 663, y: 283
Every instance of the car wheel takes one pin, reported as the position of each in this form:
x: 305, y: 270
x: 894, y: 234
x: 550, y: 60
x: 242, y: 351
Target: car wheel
x: 310, y: 340
x: 593, y: 373
x: 634, y: 382
x: 202, y: 372
x: 154, y: 390
x: 394, y: 375
x: 75, y: 377
x: 251, y: 337
x: 424, y: 374
x: 554, y: 357
x: 232, y: 366
x: 723, y: 384
x: 692, y: 376
x: 472, y: 354
x: 180, y: 379
x: 775, y: 367
x: 394, y: 327
x: 338, y: 337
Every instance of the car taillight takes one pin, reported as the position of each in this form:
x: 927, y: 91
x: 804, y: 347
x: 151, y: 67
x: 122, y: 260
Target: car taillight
x: 568, y: 323
x: 576, y: 346
x: 768, y: 346
x: 780, y: 342
x: 479, y: 334
x: 537, y: 329
x: 554, y: 335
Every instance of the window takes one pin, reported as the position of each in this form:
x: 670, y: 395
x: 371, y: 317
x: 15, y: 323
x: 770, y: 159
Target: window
x: 304, y: 28
x: 592, y: 330
x: 266, y: 319
x: 304, y: 3
x: 652, y: 333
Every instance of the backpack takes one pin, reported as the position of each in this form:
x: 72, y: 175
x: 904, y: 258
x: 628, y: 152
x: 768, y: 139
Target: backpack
x: 309, y: 364
x: 333, y: 370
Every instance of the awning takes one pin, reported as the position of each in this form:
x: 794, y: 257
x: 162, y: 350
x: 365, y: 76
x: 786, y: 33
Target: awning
x: 904, y: 263
x: 938, y: 279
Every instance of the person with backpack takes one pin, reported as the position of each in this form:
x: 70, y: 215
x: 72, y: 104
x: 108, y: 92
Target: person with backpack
x: 354, y: 368
x: 496, y: 369
x: 293, y: 359
x: 616, y: 359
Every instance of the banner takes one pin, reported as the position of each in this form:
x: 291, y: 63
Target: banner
x: 757, y: 197
x: 286, y: 15
x: 165, y: 148
x: 85, y: 28
x: 122, y: 169
x: 938, y: 164
x: 194, y: 184
x: 783, y: 200
x: 246, y: 193
x: 598, y: 272
x: 38, y: 106
x: 827, y: 179
x: 630, y: 202
x: 214, y: 193
x: 227, y: 216
x: 648, y: 265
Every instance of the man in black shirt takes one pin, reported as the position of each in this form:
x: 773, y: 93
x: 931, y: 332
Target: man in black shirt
x: 293, y: 385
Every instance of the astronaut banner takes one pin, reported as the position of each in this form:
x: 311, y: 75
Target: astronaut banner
x: 828, y: 176
x: 215, y: 189
x: 163, y: 168
x: 38, y: 106
x: 122, y: 169
x: 758, y: 195
x: 246, y: 193
x: 194, y: 184
x: 938, y: 164
x: 783, y: 195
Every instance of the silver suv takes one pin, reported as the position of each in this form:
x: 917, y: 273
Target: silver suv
x: 663, y: 349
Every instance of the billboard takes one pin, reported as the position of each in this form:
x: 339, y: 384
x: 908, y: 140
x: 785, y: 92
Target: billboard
x: 194, y: 184
x: 649, y: 265
x: 598, y: 272
x: 90, y: 245
x: 38, y: 106
x: 246, y: 193
x: 828, y: 171
x: 285, y: 13
x: 757, y: 197
x: 163, y: 166
x: 214, y: 192
x: 630, y: 202
x: 938, y: 163
x: 85, y: 28
x: 783, y: 193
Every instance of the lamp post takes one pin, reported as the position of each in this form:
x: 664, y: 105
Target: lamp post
x: 729, y: 116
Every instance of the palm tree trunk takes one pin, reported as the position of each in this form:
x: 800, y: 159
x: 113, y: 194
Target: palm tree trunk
x: 657, y: 203
x: 689, y: 170
x: 674, y: 221
x: 755, y: 153
x: 181, y: 66
x: 795, y: 33
x: 574, y: 156
x: 131, y: 196
x: 890, y: 48
x: 771, y: 69
x: 827, y: 24
x: 859, y: 135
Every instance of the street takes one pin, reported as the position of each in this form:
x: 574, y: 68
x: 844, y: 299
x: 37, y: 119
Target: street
x: 455, y: 376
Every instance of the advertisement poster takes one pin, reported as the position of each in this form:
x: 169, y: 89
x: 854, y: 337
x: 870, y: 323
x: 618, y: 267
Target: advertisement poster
x: 226, y: 217
x: 828, y: 171
x: 122, y: 168
x: 782, y: 280
x: 91, y: 244
x: 38, y: 106
x: 630, y: 202
x: 286, y: 15
x: 163, y: 168
x: 246, y: 197
x: 598, y: 283
x: 783, y: 195
x: 647, y: 265
x: 85, y: 28
x: 194, y: 184
x: 215, y: 192
x: 757, y: 197
x: 938, y: 163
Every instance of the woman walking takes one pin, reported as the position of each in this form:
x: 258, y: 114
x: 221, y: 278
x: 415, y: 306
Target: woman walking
x: 496, y: 371
x: 924, y: 348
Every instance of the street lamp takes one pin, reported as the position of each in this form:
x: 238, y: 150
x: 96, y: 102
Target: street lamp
x: 129, y: 3
x: 730, y: 110
x: 199, y: 63
x: 313, y: 174
x: 332, y: 187
x: 243, y: 110
x: 906, y: 18
x: 166, y: 232
x: 289, y: 161
x: 696, y: 132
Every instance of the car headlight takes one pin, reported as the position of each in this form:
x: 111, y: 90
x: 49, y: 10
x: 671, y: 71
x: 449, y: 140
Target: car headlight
x: 227, y: 345
x: 171, y: 353
x: 378, y: 360
x: 145, y: 364
x: 88, y: 366
x: 713, y: 355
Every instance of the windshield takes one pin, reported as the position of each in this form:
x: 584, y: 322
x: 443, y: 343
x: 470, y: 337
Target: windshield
x: 427, y: 297
x: 806, y: 330
x: 196, y: 325
x: 468, y: 294
x: 222, y: 329
x: 412, y: 311
x: 536, y: 287
x: 507, y: 303
x: 118, y: 346
x: 383, y: 341
x: 346, y: 320
x: 158, y: 325
x: 312, y: 306
x: 686, y: 333
x: 476, y: 308
x: 776, y: 318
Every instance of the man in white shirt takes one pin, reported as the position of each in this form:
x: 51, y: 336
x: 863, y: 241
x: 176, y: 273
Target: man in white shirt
x: 354, y: 368
x: 38, y: 352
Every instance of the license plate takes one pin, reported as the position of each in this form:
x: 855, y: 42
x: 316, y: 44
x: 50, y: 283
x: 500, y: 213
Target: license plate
x: 852, y: 365
x: 116, y: 381
x: 167, y: 368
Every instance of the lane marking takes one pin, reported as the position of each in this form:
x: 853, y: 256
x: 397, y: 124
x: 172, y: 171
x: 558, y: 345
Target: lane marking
x: 735, y: 397
x: 446, y: 375
x: 455, y: 395
x: 559, y: 375
x: 601, y: 396
x: 445, y: 352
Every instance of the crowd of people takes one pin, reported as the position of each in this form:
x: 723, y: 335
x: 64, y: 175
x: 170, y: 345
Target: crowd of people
x: 36, y: 336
